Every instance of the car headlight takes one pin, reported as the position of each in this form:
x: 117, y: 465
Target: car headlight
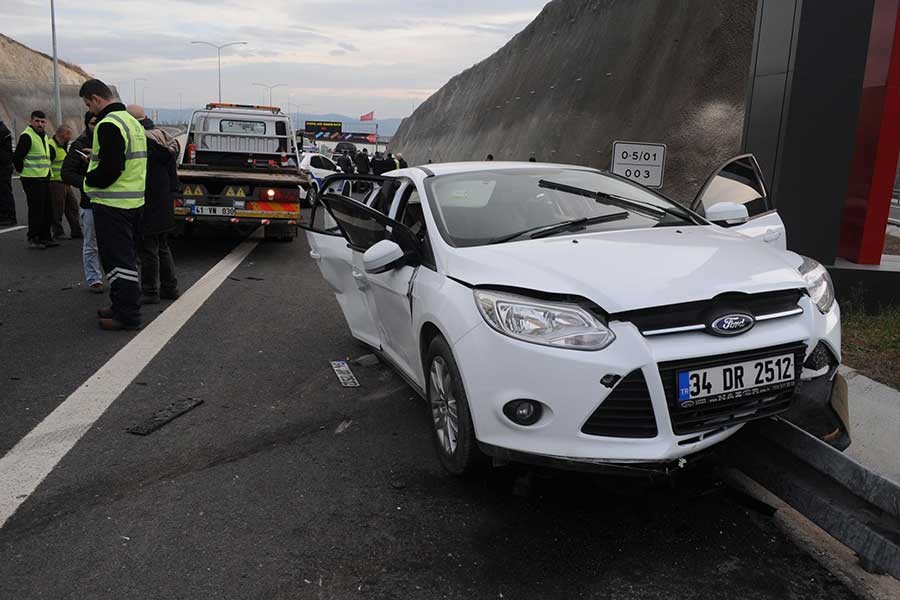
x: 818, y: 284
x: 547, y: 323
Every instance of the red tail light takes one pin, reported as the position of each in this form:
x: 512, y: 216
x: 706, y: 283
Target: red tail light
x: 278, y: 194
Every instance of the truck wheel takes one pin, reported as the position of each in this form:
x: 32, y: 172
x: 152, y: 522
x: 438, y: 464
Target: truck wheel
x: 312, y: 196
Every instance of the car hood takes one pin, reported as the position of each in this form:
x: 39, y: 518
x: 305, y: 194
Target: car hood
x: 631, y: 269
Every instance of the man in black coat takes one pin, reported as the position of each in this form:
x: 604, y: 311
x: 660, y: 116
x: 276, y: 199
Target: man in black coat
x: 7, y: 202
x: 158, y: 279
x: 362, y: 162
x: 346, y: 163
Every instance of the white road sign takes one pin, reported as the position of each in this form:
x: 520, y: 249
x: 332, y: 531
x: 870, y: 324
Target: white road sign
x: 643, y: 163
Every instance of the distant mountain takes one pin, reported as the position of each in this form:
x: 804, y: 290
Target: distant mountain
x: 385, y: 126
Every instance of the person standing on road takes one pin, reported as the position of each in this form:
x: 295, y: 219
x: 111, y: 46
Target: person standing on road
x: 401, y: 162
x: 62, y: 198
x: 32, y: 160
x: 362, y: 162
x: 158, y: 279
x: 115, y: 181
x: 393, y: 163
x: 74, y: 168
x: 7, y: 201
x: 346, y: 163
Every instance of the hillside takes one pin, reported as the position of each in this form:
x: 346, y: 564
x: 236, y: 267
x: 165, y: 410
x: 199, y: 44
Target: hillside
x: 585, y: 73
x: 26, y: 84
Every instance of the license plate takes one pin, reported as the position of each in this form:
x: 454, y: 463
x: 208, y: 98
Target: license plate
x: 737, y: 380
x: 213, y: 211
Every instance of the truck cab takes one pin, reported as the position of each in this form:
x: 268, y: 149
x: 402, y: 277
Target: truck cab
x: 240, y: 165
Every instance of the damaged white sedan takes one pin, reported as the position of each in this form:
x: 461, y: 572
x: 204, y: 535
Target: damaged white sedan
x: 553, y: 313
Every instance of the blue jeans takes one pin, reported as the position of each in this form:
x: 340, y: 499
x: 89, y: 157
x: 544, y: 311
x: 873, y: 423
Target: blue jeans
x: 89, y: 254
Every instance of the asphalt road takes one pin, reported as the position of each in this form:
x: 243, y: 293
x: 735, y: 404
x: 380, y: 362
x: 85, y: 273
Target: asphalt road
x: 283, y: 484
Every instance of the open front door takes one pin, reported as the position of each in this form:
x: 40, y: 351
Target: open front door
x: 335, y: 260
x: 740, y: 181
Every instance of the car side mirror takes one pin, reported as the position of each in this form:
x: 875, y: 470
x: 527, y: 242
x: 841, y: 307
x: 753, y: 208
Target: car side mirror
x: 383, y: 256
x: 727, y: 214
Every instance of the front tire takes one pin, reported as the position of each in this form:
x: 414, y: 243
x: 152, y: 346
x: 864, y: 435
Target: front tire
x: 451, y: 421
x: 312, y: 196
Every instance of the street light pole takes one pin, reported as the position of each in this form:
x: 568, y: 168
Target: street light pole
x: 270, y: 88
x: 55, y: 65
x: 219, y: 58
x: 134, y: 97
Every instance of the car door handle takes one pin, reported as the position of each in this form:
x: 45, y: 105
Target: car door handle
x: 771, y: 235
x: 314, y: 255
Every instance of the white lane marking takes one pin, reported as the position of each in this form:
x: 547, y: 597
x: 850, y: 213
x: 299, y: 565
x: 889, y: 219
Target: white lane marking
x: 24, y: 467
x: 8, y: 229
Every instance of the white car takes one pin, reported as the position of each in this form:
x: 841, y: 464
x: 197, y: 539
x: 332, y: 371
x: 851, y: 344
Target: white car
x: 559, y: 313
x: 319, y: 167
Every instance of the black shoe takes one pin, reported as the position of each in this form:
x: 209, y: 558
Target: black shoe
x: 149, y: 300
x: 35, y: 245
x: 169, y: 294
x: 48, y: 243
x: 116, y: 325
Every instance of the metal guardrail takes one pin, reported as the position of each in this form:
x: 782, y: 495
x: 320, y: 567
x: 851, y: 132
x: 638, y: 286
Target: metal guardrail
x: 859, y: 508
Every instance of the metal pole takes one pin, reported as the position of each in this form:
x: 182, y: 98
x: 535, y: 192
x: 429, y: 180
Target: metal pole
x: 219, y: 52
x: 55, y: 65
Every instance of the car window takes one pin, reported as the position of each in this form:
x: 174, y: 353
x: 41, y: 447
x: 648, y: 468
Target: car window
x: 477, y: 207
x: 316, y: 162
x: 242, y: 127
x: 327, y: 164
x: 738, y: 181
x: 364, y: 227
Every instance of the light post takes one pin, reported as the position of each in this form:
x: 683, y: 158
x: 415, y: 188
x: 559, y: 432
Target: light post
x: 270, y: 88
x: 134, y: 97
x: 55, y: 65
x: 219, y: 54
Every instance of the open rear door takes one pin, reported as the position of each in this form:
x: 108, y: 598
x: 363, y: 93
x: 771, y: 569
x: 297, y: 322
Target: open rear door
x: 740, y: 181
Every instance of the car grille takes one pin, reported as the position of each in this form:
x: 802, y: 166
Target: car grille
x: 693, y: 315
x: 626, y: 413
x: 728, y: 412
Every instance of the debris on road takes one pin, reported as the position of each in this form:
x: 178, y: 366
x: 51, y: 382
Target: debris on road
x: 344, y: 426
x: 344, y: 374
x: 164, y: 416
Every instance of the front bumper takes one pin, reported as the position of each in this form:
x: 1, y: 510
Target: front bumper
x: 497, y: 369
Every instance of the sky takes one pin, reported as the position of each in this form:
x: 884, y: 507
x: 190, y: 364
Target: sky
x: 342, y: 56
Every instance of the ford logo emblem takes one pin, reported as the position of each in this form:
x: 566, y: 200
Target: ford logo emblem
x: 732, y: 324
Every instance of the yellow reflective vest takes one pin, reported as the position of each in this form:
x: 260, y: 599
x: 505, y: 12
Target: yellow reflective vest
x: 128, y: 190
x: 57, y: 161
x: 36, y: 164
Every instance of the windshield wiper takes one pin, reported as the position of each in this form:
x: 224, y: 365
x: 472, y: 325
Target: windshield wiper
x: 579, y: 224
x: 657, y: 212
x: 542, y: 230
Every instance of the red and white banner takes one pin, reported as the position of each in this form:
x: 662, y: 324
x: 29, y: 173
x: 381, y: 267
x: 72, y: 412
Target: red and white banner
x: 368, y: 116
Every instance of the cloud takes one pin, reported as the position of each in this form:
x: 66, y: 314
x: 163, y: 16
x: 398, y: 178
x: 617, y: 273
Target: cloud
x: 393, y: 52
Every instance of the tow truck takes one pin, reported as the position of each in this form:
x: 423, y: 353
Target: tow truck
x: 240, y: 166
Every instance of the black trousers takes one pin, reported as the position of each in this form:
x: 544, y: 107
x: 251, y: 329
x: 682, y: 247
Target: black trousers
x: 157, y: 265
x: 40, y: 211
x: 118, y: 236
x: 7, y: 202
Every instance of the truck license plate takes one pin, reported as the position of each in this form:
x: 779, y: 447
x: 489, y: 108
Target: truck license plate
x: 737, y: 380
x: 213, y: 211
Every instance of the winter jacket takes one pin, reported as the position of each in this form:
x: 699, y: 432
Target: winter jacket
x: 6, y: 149
x: 362, y: 164
x: 162, y: 183
x: 74, y: 167
x: 346, y: 164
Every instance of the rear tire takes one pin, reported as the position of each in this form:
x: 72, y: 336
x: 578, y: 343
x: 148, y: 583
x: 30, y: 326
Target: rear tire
x: 448, y: 407
x: 312, y: 196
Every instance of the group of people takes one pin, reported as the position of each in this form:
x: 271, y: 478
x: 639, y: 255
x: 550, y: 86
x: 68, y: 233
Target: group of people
x: 378, y: 164
x: 125, y: 170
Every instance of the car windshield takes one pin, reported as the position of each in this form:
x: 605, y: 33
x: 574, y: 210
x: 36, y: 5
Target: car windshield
x: 495, y: 206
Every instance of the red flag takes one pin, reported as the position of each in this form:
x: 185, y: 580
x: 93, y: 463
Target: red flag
x: 368, y: 116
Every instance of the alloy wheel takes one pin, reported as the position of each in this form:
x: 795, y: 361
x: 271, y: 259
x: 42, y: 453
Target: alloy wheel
x: 444, y: 409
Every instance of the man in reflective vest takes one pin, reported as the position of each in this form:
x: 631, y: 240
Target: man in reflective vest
x: 32, y: 160
x: 62, y: 198
x: 115, y: 181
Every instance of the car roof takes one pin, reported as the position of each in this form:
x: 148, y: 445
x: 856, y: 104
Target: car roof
x: 454, y: 168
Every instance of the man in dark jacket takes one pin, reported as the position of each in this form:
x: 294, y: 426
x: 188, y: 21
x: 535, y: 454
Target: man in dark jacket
x: 362, y: 162
x: 74, y: 168
x: 158, y: 279
x: 7, y: 202
x: 346, y: 163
